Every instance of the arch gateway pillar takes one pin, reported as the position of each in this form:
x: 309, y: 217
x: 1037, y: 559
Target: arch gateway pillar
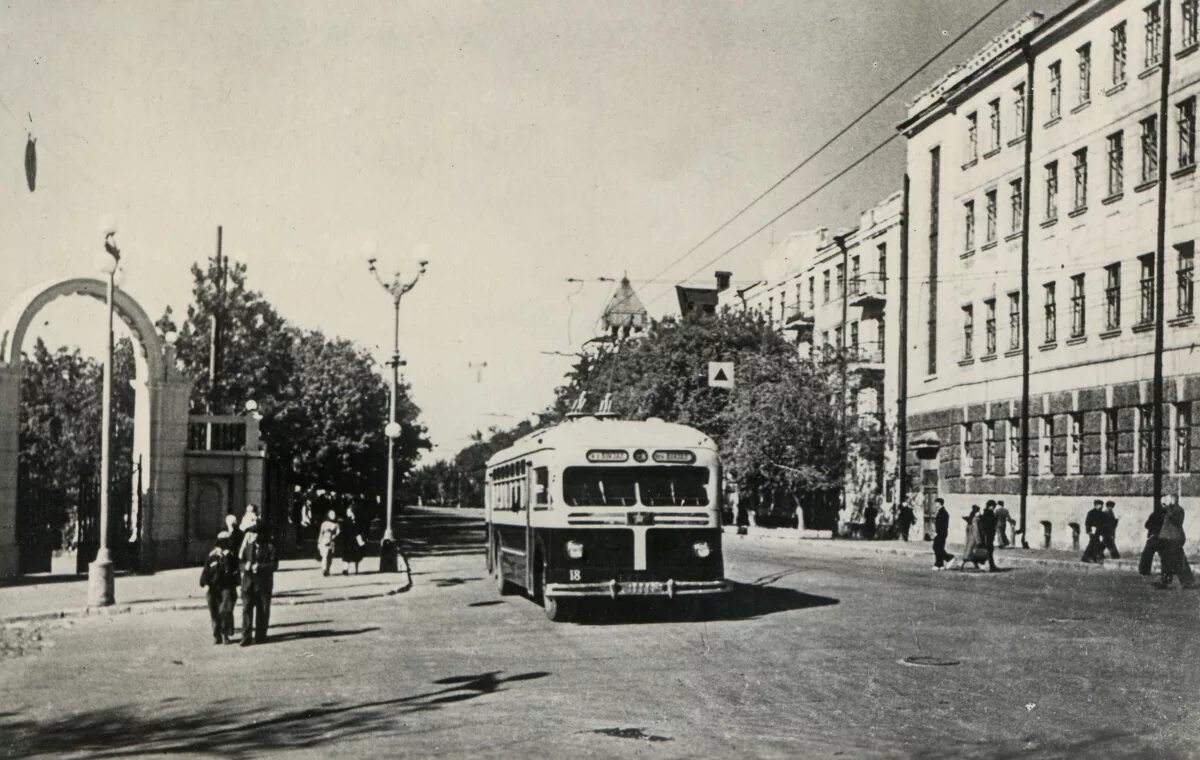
x: 160, y: 423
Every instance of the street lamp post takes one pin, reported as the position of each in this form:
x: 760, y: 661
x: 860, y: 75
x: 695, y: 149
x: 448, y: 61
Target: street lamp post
x: 396, y: 288
x: 100, y: 572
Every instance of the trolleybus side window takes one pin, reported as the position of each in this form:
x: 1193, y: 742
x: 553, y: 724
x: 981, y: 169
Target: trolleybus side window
x: 542, y: 485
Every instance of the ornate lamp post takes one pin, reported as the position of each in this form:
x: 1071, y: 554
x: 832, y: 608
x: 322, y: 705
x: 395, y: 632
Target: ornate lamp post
x: 397, y: 287
x: 100, y: 572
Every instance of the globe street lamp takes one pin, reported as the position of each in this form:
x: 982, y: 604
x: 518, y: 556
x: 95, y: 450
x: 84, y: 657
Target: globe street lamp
x: 100, y: 572
x: 397, y: 287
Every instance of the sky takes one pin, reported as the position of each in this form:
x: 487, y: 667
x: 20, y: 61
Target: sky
x: 523, y: 142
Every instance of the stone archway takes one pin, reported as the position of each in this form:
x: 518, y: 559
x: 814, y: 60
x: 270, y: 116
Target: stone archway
x: 160, y: 419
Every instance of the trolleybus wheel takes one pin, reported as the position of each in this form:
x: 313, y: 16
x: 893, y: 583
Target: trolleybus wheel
x: 503, y: 587
x: 557, y: 610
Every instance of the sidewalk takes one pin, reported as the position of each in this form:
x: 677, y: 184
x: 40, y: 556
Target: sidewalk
x: 1014, y: 557
x: 298, y: 581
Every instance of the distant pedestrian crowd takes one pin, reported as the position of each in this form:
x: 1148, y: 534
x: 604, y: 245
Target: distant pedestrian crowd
x: 244, y: 559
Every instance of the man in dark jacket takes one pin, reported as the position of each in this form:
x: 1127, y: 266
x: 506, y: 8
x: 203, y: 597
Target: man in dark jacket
x: 987, y: 533
x: 258, y: 564
x: 904, y: 521
x: 1153, y: 525
x: 1093, y: 524
x: 870, y: 514
x: 1108, y: 531
x: 941, y: 529
x: 220, y: 577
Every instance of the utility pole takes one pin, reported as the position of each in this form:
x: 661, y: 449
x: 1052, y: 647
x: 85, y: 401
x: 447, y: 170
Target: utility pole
x: 842, y: 357
x: 1160, y: 257
x: 1024, y: 295
x: 902, y: 389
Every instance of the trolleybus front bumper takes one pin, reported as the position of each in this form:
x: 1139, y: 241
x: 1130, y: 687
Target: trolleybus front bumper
x: 614, y: 588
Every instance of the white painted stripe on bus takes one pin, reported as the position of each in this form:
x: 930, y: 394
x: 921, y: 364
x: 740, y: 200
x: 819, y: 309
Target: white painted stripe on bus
x: 639, y: 548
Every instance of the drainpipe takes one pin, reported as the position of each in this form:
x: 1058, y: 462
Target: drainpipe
x: 1161, y: 252
x: 1025, y: 356
x: 902, y: 390
x: 841, y: 243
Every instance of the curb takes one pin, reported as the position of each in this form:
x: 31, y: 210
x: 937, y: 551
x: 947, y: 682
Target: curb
x: 865, y: 547
x: 143, y: 609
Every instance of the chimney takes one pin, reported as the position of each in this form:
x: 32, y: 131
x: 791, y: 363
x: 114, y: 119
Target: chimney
x: 723, y: 280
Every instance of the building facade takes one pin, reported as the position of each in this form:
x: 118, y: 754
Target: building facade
x: 1051, y: 240
x: 831, y: 291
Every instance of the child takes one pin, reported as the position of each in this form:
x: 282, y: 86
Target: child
x: 327, y: 539
x: 220, y: 577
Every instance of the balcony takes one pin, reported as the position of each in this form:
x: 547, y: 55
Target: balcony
x: 222, y: 433
x: 799, y: 317
x: 868, y: 289
x: 865, y: 357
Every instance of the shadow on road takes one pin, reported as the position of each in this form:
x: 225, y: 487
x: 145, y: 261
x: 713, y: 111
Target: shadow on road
x: 227, y: 729
x: 1102, y: 744
x: 743, y: 602
x: 317, y: 633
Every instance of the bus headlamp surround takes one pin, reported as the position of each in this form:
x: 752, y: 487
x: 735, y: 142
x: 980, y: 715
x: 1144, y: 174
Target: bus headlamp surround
x: 702, y: 549
x: 575, y: 549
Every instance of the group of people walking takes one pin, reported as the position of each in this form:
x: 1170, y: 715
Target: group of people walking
x: 984, y: 529
x: 244, y: 558
x: 343, y: 538
x: 1165, y: 537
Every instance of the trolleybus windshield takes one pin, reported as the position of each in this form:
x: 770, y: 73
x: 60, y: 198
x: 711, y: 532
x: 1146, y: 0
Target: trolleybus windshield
x: 622, y: 486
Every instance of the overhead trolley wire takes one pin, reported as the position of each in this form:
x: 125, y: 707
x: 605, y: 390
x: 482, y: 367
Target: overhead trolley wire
x: 791, y: 172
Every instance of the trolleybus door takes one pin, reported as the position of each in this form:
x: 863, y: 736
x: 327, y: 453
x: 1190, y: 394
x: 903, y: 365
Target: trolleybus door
x: 528, y: 502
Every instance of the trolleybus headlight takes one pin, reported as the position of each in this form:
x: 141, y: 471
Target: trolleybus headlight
x: 575, y: 550
x: 702, y: 549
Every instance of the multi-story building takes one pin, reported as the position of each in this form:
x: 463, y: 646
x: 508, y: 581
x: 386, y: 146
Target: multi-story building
x: 829, y: 291
x: 1053, y: 216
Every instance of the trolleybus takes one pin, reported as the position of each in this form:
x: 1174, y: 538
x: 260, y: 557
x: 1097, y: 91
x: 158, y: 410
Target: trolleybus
x: 600, y: 507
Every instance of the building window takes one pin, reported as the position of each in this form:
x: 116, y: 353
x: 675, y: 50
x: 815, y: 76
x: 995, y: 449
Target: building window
x: 1051, y: 191
x: 1019, y: 110
x: 1185, y: 294
x: 1014, y: 321
x: 965, y: 453
x: 1046, y: 446
x: 841, y: 280
x: 1051, y: 312
x: 989, y: 231
x: 968, y: 330
x: 855, y: 275
x: 1153, y: 35
x: 1146, y: 294
x: 1182, y: 456
x: 989, y: 326
x: 883, y: 267
x: 989, y: 447
x: 969, y: 225
x: 1055, y: 89
x: 1075, y: 444
x: 1185, y: 127
x: 994, y: 120
x: 1116, y: 163
x: 812, y: 293
x: 1145, y: 438
x: 1112, y: 297
x: 1017, y: 202
x: 825, y: 287
x: 1111, y: 430
x: 1078, y: 307
x: 972, y: 136
x: 1014, y: 447
x: 1118, y: 53
x: 1149, y: 148
x: 854, y: 339
x: 1085, y: 73
x: 1189, y: 14
x: 1080, y: 171
x: 771, y: 310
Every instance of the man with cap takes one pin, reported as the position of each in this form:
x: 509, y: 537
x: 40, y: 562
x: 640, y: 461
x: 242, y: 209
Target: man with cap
x: 987, y: 533
x: 941, y: 529
x: 1108, y: 531
x: 258, y: 564
x: 1093, y: 524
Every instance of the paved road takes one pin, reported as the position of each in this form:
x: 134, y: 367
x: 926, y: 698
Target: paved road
x: 806, y: 660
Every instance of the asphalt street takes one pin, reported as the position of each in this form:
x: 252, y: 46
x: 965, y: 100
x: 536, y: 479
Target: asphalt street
x: 810, y: 656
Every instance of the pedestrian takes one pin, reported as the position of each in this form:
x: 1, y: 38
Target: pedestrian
x: 904, y: 521
x: 352, y: 542
x: 1092, y: 524
x: 1003, y: 519
x: 941, y: 530
x: 258, y: 564
x: 1171, y: 539
x: 870, y: 514
x: 972, y: 552
x: 1108, y: 531
x: 235, y: 533
x: 987, y: 533
x: 219, y: 577
x: 1152, y: 525
x: 327, y: 540
x: 250, y: 517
